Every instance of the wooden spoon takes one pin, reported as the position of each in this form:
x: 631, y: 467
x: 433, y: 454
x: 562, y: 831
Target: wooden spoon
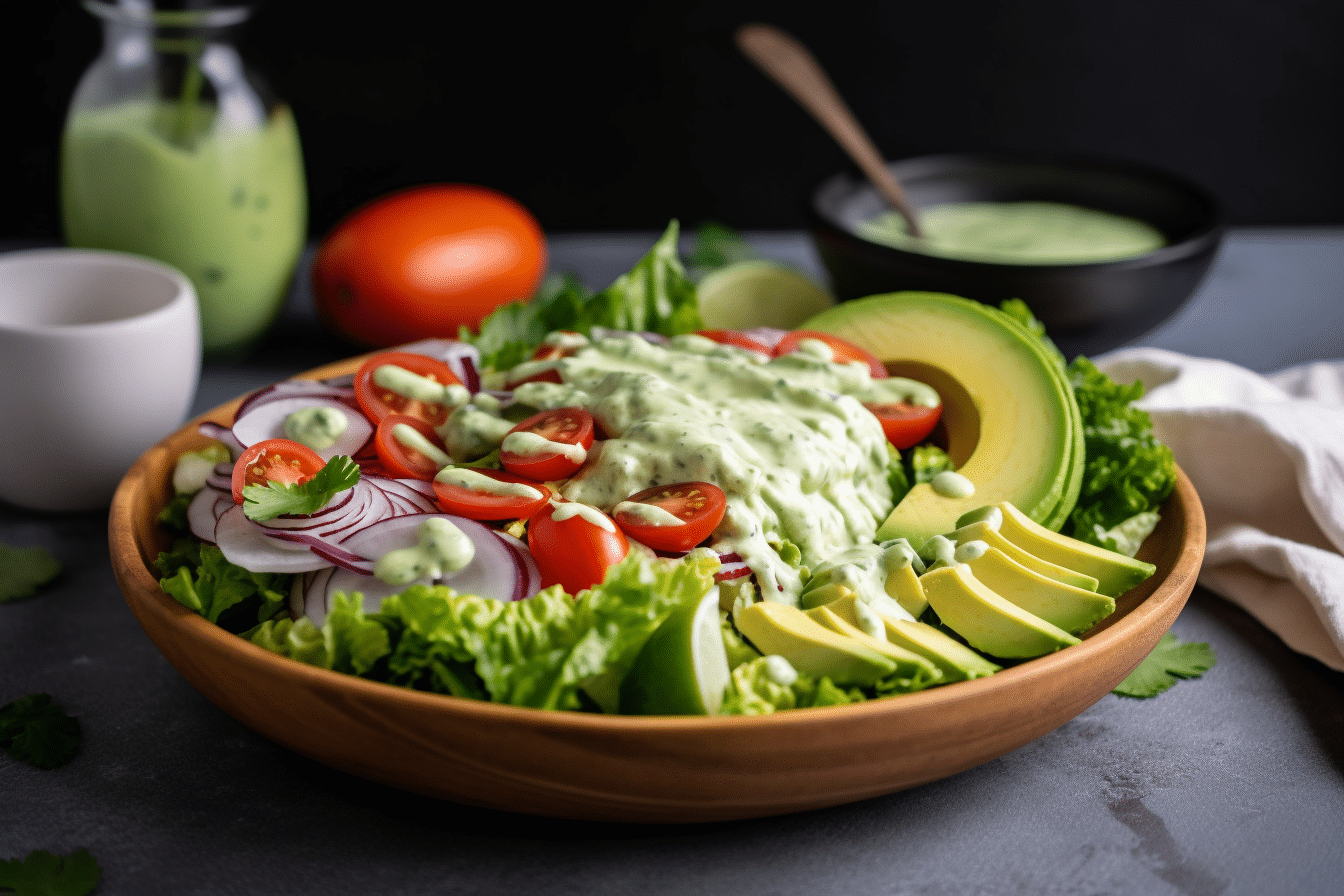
x: 793, y: 68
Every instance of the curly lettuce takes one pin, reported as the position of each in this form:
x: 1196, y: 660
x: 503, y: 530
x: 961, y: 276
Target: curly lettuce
x: 655, y: 296
x: 550, y: 651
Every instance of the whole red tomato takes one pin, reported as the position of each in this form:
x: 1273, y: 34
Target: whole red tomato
x: 422, y: 262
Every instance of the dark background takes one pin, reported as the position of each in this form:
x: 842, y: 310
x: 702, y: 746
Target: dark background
x: 623, y: 119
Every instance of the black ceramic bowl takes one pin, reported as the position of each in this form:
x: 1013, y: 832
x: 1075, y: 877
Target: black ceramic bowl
x: 1087, y: 308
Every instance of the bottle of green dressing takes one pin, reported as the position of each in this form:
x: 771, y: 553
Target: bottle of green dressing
x: 174, y: 149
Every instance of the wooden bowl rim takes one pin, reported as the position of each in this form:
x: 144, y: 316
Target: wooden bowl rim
x: 142, y: 592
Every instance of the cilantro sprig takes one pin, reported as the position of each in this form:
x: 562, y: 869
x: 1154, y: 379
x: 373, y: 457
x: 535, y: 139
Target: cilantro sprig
x: 266, y: 502
x: 41, y: 873
x: 25, y: 570
x: 1170, y: 661
x: 35, y: 730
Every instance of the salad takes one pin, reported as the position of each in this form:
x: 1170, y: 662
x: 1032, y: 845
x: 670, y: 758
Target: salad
x: 594, y: 504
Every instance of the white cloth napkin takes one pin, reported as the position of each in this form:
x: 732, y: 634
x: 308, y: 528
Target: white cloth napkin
x: 1266, y: 454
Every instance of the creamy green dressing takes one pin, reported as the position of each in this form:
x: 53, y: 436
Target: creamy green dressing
x: 863, y: 569
x: 413, y: 386
x: 531, y: 444
x: 799, y: 459
x: 409, y: 437
x: 316, y: 427
x: 1017, y: 233
x: 472, y: 480
x: 951, y: 484
x: 567, y: 510
x: 441, y: 549
x: 648, y: 514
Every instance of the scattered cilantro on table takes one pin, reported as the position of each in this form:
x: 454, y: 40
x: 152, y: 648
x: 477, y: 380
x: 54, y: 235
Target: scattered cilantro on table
x: 44, y: 874
x: 25, y: 570
x: 1171, y: 659
x: 35, y: 730
x: 266, y: 502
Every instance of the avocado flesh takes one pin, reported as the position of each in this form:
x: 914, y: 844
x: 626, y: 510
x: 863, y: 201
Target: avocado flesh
x: 1115, y: 573
x: 995, y: 539
x: 781, y: 629
x: 955, y: 660
x: 909, y: 664
x: 903, y: 585
x: 987, y: 621
x: 1078, y: 447
x: 1072, y: 609
x: 1009, y: 416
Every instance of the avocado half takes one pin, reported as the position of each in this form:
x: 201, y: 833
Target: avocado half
x: 1012, y: 424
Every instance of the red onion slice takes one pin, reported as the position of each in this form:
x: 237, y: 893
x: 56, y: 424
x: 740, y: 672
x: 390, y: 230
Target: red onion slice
x: 297, y: 389
x: 266, y: 420
x: 204, y: 511
x: 494, y: 572
x: 212, y: 430
x: 246, y: 544
x: 732, y: 571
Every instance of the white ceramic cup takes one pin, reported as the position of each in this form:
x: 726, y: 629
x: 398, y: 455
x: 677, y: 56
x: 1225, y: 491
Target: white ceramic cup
x: 100, y: 354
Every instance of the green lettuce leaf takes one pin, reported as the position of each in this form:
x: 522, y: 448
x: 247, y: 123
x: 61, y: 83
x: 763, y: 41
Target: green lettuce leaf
x: 923, y: 462
x: 1128, y: 471
x: 656, y: 295
x: 198, y: 576
x: 754, y: 692
x: 551, y: 651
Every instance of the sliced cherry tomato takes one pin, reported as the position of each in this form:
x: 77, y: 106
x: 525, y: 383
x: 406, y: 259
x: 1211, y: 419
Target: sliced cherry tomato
x: 843, y: 350
x: 573, y: 551
x: 549, y: 375
x: 377, y: 402
x: 487, y: 504
x: 698, y: 505
x: 571, y: 431
x: 401, y: 461
x: 906, y: 425
x: 732, y: 337
x: 275, y: 460
x: 560, y: 344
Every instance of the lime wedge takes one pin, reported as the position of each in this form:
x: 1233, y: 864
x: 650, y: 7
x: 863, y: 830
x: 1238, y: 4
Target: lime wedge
x: 682, y: 669
x: 760, y: 293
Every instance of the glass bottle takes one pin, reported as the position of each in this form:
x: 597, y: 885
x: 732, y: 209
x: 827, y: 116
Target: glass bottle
x: 173, y: 148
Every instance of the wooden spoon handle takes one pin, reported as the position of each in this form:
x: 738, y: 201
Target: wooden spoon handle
x: 795, y: 69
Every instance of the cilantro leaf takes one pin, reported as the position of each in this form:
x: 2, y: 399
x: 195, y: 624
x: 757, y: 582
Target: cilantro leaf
x: 44, y: 874
x: 37, y: 731
x: 24, y: 570
x: 266, y: 502
x: 1170, y: 660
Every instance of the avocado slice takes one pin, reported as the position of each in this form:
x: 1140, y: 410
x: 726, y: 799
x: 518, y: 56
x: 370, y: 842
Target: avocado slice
x: 909, y: 665
x: 1012, y: 424
x: 1115, y: 573
x: 776, y: 628
x: 955, y: 660
x: 987, y: 621
x: 984, y: 531
x: 1072, y: 609
x: 903, y: 585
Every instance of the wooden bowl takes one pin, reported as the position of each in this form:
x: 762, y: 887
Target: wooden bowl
x: 630, y: 768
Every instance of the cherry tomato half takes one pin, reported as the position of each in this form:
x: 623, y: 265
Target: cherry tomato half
x: 844, y: 351
x: 906, y: 425
x: 569, y: 429
x: 698, y: 505
x: 377, y: 402
x: 734, y: 338
x: 401, y: 461
x: 424, y: 261
x: 573, y: 551
x: 487, y: 503
x: 560, y: 344
x: 275, y: 460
